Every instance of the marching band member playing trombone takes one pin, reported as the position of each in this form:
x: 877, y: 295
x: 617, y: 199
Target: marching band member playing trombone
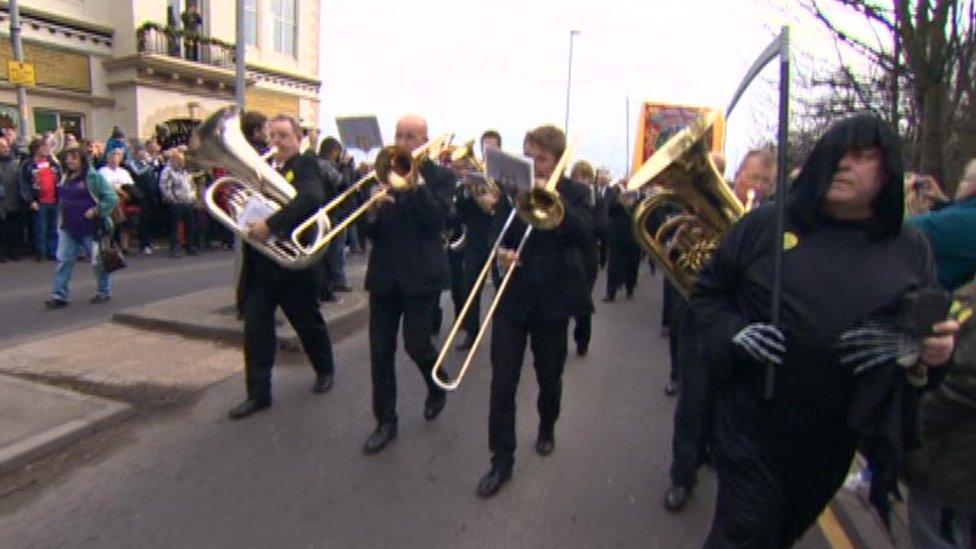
x: 406, y: 271
x: 548, y: 286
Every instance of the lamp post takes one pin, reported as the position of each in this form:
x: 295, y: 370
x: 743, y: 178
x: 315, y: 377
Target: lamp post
x: 569, y: 77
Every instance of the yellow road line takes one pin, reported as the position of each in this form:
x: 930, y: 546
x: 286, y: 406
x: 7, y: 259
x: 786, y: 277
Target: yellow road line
x: 833, y: 531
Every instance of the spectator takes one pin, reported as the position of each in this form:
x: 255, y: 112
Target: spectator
x: 146, y: 177
x: 950, y: 227
x: 95, y: 151
x: 179, y: 194
x: 121, y: 181
x: 12, y: 208
x: 39, y: 177
x: 940, y: 473
x: 330, y: 153
x: 192, y: 23
x: 117, y: 141
x: 87, y: 201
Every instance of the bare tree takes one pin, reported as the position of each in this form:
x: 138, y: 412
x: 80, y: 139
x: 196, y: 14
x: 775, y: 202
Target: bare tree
x: 922, y: 78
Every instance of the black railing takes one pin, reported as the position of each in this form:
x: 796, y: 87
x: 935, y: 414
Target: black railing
x: 155, y: 39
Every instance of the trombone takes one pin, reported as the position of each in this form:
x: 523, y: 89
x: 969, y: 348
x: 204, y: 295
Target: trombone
x: 540, y: 208
x: 395, y: 166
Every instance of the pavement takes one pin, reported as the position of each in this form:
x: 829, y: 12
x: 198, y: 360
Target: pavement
x: 151, y: 356
x: 36, y: 419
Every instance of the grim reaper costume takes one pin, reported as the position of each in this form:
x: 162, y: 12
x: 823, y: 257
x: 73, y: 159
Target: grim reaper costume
x: 780, y: 461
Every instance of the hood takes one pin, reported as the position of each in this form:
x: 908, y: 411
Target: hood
x: 856, y: 132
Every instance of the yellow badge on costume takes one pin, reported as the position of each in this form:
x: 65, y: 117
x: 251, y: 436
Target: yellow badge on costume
x: 790, y: 241
x: 289, y: 176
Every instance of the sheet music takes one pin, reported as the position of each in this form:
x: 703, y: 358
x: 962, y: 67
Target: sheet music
x: 509, y: 170
x: 255, y: 209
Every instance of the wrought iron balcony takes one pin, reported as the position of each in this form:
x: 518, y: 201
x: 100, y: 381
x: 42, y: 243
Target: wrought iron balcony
x: 152, y: 38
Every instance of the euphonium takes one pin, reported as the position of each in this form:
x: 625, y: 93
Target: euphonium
x: 683, y: 220
x: 219, y: 142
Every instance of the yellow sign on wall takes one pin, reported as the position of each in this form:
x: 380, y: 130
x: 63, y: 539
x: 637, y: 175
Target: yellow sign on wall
x: 53, y: 67
x: 21, y: 74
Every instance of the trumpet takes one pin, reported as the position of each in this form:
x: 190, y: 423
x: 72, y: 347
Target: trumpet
x: 397, y: 168
x: 540, y: 208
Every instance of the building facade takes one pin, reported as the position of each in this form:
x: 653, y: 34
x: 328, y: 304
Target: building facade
x: 154, y: 67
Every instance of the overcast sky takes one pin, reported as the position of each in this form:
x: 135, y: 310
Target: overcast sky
x: 468, y: 66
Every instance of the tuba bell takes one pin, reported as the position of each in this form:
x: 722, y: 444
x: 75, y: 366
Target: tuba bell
x: 690, y: 206
x: 252, y: 183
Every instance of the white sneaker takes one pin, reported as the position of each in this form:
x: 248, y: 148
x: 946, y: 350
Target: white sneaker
x: 147, y: 250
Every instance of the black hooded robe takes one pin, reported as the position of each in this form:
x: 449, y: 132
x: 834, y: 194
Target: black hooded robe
x: 780, y: 462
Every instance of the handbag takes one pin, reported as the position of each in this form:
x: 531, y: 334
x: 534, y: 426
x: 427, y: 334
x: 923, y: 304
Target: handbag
x: 109, y: 255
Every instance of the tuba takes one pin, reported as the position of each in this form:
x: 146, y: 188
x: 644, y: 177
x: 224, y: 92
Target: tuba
x: 252, y: 182
x: 690, y: 206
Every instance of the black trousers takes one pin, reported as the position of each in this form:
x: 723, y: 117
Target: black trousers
x: 14, y: 234
x: 584, y: 322
x: 187, y: 214
x: 458, y: 288
x: 295, y: 293
x: 692, y: 416
x: 622, y: 265
x: 474, y: 261
x: 602, y: 251
x: 508, y: 340
x: 385, y: 312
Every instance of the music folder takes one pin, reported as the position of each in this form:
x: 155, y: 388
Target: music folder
x: 508, y: 170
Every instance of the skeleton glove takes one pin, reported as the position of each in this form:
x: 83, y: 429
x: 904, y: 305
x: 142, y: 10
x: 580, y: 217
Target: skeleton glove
x: 761, y: 342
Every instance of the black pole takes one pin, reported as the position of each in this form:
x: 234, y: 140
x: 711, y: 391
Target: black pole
x: 781, y: 175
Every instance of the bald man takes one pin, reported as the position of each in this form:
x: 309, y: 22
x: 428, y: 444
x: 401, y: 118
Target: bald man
x: 406, y: 272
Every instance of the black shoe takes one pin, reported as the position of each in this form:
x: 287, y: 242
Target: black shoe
x: 55, y: 303
x: 342, y: 288
x: 676, y: 498
x: 630, y: 294
x: 434, y: 404
x: 323, y: 382
x: 672, y: 388
x: 380, y: 437
x: 248, y: 407
x: 608, y: 298
x: 99, y: 298
x: 581, y: 349
x: 493, y: 480
x: 545, y: 444
x: 466, y: 343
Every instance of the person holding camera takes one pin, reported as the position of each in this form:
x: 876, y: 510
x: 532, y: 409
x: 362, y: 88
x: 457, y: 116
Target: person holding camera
x: 949, y: 226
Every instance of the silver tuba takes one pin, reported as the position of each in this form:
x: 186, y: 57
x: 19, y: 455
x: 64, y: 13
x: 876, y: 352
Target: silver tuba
x: 219, y: 142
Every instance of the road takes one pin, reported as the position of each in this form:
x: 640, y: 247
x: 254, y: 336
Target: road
x: 294, y: 476
x: 26, y: 284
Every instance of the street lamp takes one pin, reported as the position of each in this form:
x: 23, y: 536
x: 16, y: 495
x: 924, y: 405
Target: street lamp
x: 569, y: 77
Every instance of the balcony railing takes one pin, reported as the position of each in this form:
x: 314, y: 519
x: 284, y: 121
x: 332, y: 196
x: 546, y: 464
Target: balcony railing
x: 156, y: 39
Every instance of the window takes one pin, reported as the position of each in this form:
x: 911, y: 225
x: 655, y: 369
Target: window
x: 49, y: 121
x: 251, y: 22
x: 283, y: 26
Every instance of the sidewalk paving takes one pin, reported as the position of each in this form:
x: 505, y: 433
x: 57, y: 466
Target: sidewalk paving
x: 36, y: 419
x: 210, y: 315
x: 151, y: 356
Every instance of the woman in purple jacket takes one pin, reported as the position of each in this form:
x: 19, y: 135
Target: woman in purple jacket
x: 86, y: 200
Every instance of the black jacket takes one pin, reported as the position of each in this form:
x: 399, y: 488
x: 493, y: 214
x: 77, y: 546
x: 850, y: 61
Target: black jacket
x: 551, y: 280
x: 408, y: 255
x: 303, y: 174
x: 477, y: 223
x: 620, y: 231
